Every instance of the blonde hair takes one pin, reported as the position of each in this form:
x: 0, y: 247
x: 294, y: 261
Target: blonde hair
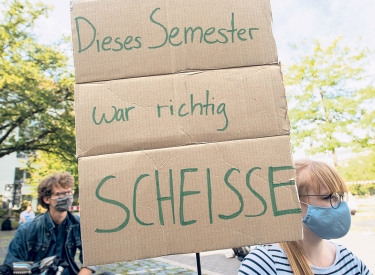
x: 311, y: 175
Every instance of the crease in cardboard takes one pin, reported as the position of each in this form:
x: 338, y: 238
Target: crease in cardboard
x: 176, y: 96
x: 221, y: 156
x: 190, y: 72
x: 259, y: 177
x: 259, y: 69
x: 184, y: 133
x: 168, y: 161
x: 81, y: 152
x: 143, y: 152
x: 184, y: 145
x: 243, y: 233
x: 162, y: 230
x: 124, y: 100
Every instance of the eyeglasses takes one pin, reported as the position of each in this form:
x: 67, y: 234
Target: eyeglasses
x: 334, y: 198
x: 63, y: 194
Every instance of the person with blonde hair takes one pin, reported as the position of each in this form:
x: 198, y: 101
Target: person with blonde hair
x: 326, y: 216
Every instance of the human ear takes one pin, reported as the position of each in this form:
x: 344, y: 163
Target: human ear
x: 46, y: 200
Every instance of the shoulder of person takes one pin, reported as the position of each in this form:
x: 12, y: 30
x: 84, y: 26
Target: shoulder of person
x: 268, y: 250
x: 344, y: 252
x: 347, y: 257
x: 341, y: 249
x: 37, y: 220
x: 78, y: 218
x: 39, y: 217
x: 31, y: 225
x: 261, y: 260
x: 74, y: 217
x: 271, y: 247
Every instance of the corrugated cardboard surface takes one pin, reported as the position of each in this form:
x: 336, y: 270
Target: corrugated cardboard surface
x: 241, y: 103
x: 122, y: 34
x: 211, y: 213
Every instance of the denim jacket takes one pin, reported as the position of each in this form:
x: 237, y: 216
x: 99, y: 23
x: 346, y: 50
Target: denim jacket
x: 32, y: 240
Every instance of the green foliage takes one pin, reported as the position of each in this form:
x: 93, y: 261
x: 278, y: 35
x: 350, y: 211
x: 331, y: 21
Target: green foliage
x: 365, y: 129
x: 362, y: 189
x: 371, y: 188
x: 325, y: 99
x: 36, y: 86
x: 42, y: 164
x: 360, y: 168
x: 3, y: 213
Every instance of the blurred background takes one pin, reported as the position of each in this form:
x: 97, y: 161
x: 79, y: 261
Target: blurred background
x: 326, y: 50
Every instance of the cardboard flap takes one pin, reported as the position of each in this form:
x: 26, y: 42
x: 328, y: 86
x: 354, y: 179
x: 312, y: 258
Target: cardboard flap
x: 181, y: 109
x: 188, y: 199
x: 116, y: 39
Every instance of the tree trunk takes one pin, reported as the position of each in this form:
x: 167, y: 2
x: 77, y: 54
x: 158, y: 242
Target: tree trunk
x: 334, y: 158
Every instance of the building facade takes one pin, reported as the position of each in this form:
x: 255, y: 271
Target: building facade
x: 12, y: 172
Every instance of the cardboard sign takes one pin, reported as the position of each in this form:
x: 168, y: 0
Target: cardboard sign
x: 116, y: 39
x: 182, y: 109
x: 182, y: 128
x: 187, y: 199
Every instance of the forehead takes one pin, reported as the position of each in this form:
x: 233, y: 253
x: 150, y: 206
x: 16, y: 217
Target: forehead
x: 320, y: 189
x: 58, y: 188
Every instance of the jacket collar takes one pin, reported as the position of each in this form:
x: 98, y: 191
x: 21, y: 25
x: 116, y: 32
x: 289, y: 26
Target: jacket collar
x: 71, y: 221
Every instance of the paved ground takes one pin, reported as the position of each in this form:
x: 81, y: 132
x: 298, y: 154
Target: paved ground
x: 360, y: 240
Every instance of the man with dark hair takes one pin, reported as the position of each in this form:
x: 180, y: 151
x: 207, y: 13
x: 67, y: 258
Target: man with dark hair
x: 54, y: 233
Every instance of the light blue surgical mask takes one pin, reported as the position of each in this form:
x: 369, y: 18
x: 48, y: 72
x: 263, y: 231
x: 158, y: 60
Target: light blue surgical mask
x: 328, y: 222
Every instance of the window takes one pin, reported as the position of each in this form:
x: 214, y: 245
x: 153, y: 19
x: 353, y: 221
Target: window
x: 21, y: 174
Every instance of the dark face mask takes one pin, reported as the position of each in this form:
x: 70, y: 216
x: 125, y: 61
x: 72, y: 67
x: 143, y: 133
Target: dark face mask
x: 63, y: 204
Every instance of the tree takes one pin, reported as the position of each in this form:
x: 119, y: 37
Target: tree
x: 42, y: 164
x: 364, y: 131
x: 360, y: 168
x: 326, y: 97
x: 36, y: 86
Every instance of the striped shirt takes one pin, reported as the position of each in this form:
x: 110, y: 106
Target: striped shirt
x: 271, y: 259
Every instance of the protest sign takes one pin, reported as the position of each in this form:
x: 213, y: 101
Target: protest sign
x: 182, y: 128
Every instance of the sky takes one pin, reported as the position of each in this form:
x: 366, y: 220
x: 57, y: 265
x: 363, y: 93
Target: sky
x: 294, y: 21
